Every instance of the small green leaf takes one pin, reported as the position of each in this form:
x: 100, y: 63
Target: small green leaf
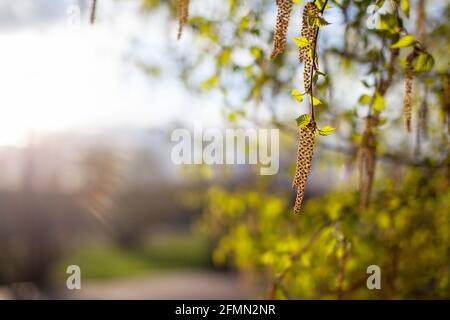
x: 296, y: 1
x: 301, y: 42
x: 303, y: 120
x: 232, y: 117
x: 389, y: 23
x: 243, y: 25
x: 315, y: 78
x: 320, y: 4
x: 326, y: 131
x: 405, y: 7
x: 379, y: 3
x: 321, y: 22
x: 321, y: 73
x: 224, y: 57
x: 316, y: 102
x: 406, y: 41
x: 256, y: 52
x: 210, y: 83
x: 378, y: 102
x: 297, y: 95
x: 425, y: 63
x: 364, y: 99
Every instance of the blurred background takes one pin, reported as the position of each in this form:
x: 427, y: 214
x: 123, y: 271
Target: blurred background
x: 86, y: 176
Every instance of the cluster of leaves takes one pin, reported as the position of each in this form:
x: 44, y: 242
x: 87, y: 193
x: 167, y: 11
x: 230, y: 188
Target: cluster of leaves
x: 406, y: 231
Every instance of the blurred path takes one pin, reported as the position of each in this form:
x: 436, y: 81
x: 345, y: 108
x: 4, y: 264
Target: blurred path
x: 167, y: 285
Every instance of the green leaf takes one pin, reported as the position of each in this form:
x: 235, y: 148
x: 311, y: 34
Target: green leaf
x: 303, y: 120
x: 425, y: 63
x: 256, y: 52
x: 320, y: 4
x: 224, y: 57
x: 379, y: 3
x: 321, y: 73
x: 210, y: 83
x: 326, y: 131
x: 389, y: 23
x: 296, y: 1
x: 404, y: 42
x: 301, y: 42
x: 364, y: 99
x: 321, y: 22
x: 378, y: 102
x: 232, y: 117
x: 404, y: 4
x: 297, y: 95
x: 315, y: 78
x: 243, y: 25
x: 316, y: 102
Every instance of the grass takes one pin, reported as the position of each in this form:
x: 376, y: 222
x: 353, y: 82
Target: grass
x: 169, y: 252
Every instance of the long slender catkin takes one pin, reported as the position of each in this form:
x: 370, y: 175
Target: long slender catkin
x: 305, y: 154
x: 407, y: 100
x: 309, y: 32
x: 284, y: 9
x: 183, y: 15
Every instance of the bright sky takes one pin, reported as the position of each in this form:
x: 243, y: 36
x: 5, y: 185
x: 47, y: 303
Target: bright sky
x: 56, y: 77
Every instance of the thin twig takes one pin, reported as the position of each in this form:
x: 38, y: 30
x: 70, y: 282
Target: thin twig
x: 314, y: 66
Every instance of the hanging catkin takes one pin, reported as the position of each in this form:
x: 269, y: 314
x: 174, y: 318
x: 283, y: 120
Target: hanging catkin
x: 305, y: 154
x: 93, y: 11
x: 183, y: 15
x: 407, y: 101
x: 284, y: 9
x: 309, y: 32
x: 366, y: 161
x: 445, y: 101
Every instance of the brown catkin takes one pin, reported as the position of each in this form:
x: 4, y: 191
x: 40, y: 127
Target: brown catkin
x: 304, y: 162
x: 407, y: 101
x: 309, y: 32
x: 446, y: 100
x: 93, y: 11
x: 183, y: 15
x: 284, y: 9
x: 366, y: 161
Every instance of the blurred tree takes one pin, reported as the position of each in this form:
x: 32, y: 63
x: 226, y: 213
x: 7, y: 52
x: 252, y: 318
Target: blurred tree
x: 382, y: 50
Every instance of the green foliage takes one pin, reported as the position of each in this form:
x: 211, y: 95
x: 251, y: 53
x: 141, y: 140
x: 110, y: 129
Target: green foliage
x: 297, y: 95
x: 303, y: 120
x: 326, y: 131
x: 364, y: 99
x: 301, y: 42
x: 378, y: 103
x: 405, y: 7
x: 404, y: 42
x: 405, y: 231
